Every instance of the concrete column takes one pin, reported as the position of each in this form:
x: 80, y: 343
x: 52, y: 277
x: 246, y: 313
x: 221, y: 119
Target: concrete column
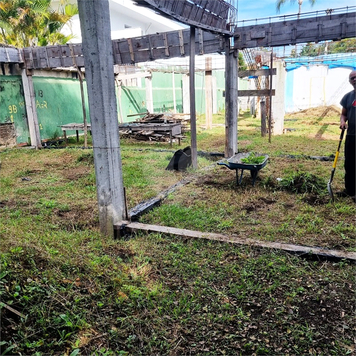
x: 99, y: 69
x: 278, y: 101
x: 214, y: 95
x: 31, y: 112
x: 185, y: 95
x: 208, y: 93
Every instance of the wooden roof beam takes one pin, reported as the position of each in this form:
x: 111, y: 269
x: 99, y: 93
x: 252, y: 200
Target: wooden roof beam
x: 314, y: 29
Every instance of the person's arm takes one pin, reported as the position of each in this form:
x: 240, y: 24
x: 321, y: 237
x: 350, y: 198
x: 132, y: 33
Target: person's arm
x: 343, y: 119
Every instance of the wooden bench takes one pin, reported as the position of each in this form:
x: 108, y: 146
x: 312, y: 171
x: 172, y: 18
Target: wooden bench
x: 73, y: 127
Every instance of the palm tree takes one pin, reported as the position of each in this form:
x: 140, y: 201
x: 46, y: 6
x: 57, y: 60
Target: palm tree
x: 25, y: 23
x: 300, y: 2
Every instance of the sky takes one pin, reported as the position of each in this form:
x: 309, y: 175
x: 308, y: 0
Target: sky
x: 248, y: 9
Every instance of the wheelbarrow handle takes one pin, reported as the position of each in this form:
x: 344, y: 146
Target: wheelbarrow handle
x: 224, y: 164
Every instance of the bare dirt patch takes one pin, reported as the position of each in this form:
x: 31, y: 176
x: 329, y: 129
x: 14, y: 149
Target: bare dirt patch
x: 77, y: 218
x: 74, y: 173
x: 298, y: 212
x: 315, y: 113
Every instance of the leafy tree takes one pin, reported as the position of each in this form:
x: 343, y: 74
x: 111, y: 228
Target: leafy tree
x: 300, y: 2
x: 25, y: 23
x: 242, y: 63
x: 312, y: 50
x: 347, y: 45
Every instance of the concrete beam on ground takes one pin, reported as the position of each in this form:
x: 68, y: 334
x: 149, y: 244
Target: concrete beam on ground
x: 132, y: 227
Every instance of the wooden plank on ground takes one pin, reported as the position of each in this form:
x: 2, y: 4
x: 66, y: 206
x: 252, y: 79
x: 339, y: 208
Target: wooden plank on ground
x: 145, y: 206
x: 132, y: 227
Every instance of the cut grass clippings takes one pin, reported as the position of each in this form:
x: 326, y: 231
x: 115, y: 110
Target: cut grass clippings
x: 67, y: 290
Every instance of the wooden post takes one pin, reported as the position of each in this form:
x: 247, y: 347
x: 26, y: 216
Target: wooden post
x: 99, y: 68
x: 82, y: 97
x: 174, y: 94
x: 231, y: 99
x: 193, y: 124
x: 149, y: 96
x: 83, y: 108
x: 30, y: 102
x: 263, y: 118
x: 270, y: 101
x: 208, y: 94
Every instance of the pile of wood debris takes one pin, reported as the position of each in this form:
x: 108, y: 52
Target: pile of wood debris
x: 161, y: 127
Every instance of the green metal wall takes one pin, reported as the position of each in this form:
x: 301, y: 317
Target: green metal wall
x: 58, y: 100
x: 133, y: 99
x: 132, y: 102
x: 12, y: 106
x: 162, y: 88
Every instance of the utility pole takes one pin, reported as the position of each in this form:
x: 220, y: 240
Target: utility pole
x: 99, y: 72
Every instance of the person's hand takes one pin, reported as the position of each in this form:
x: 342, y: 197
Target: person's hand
x: 343, y: 125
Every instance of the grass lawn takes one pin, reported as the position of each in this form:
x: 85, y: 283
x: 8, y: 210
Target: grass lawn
x: 67, y: 290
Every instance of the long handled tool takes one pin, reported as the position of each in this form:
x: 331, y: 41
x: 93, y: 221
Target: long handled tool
x: 334, y: 165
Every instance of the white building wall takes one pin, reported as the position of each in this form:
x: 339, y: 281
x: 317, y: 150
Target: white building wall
x: 316, y: 85
x: 337, y: 85
x: 126, y: 20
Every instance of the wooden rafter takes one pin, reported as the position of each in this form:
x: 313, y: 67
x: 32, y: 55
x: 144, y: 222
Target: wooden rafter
x: 176, y: 43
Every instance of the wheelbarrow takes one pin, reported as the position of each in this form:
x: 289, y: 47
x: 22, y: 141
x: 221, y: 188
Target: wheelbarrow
x: 235, y: 162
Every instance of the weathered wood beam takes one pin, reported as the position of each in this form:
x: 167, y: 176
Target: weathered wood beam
x: 231, y: 105
x: 257, y: 72
x: 283, y: 33
x: 168, y: 45
x: 125, y: 51
x: 134, y: 75
x: 176, y: 43
x: 133, y: 227
x: 193, y: 117
x: 256, y: 92
x: 210, y: 15
x: 10, y: 55
x: 144, y: 207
